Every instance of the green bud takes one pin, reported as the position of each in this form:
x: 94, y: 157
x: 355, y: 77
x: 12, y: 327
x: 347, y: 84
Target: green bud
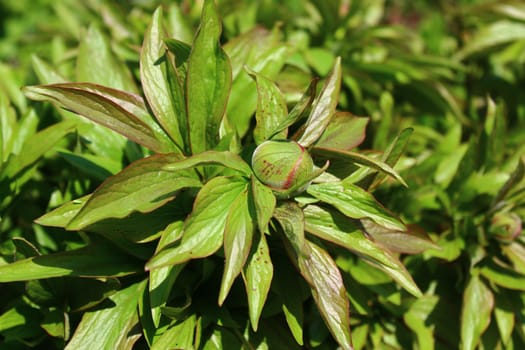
x: 283, y: 165
x: 506, y: 227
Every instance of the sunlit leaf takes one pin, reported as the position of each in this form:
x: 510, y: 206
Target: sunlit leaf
x: 209, y: 80
x: 120, y: 111
x: 345, y: 131
x: 165, y: 99
x: 355, y: 202
x: 238, y: 235
x: 97, y: 260
x: 204, y: 227
x: 143, y: 187
x: 112, y: 327
x: 257, y: 274
x: 478, y: 302
x: 97, y: 64
x: 323, y: 108
x: 271, y: 110
x: 329, y: 292
x: 291, y: 219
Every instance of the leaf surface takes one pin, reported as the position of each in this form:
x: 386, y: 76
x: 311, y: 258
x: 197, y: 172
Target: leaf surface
x: 204, y: 228
x: 209, y: 79
x: 478, y: 302
x: 238, y: 235
x: 164, y: 94
x: 143, y: 186
x: 120, y: 111
x: 355, y: 202
x: 323, y: 108
x: 97, y: 260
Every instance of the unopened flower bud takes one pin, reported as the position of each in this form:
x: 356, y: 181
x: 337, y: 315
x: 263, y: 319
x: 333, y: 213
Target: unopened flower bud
x: 282, y: 165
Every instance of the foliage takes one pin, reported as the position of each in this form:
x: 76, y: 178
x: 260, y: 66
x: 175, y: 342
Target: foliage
x: 194, y: 184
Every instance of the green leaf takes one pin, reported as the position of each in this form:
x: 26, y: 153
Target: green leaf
x: 209, y: 80
x: 291, y: 218
x: 392, y: 154
x: 238, y: 235
x: 359, y: 159
x: 120, y: 111
x: 257, y: 275
x: 204, y: 228
x: 179, y: 335
x: 62, y: 215
x: 143, y: 187
x: 293, y: 291
x: 99, y: 168
x: 334, y: 227
x: 97, y: 64
x: 180, y: 50
x: 502, y: 276
x: 101, y: 140
x: 417, y: 320
x: 226, y: 159
x: 355, y: 202
x: 491, y: 36
x: 264, y: 201
x: 323, y: 108
x: 263, y: 52
x: 34, y: 148
x: 478, y: 302
x: 112, y: 327
x: 504, y: 315
x: 97, y: 260
x: 329, y: 292
x: 160, y: 83
x: 161, y: 280
x: 271, y: 110
x: 345, y: 131
x: 412, y: 241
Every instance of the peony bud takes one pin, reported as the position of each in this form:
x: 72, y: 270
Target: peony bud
x: 283, y: 165
x: 506, y: 227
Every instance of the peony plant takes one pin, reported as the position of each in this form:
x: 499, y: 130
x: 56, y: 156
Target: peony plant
x: 239, y: 197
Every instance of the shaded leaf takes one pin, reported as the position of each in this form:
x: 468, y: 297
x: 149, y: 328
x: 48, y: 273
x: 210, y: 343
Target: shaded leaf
x: 97, y: 260
x: 161, y: 280
x: 209, y: 80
